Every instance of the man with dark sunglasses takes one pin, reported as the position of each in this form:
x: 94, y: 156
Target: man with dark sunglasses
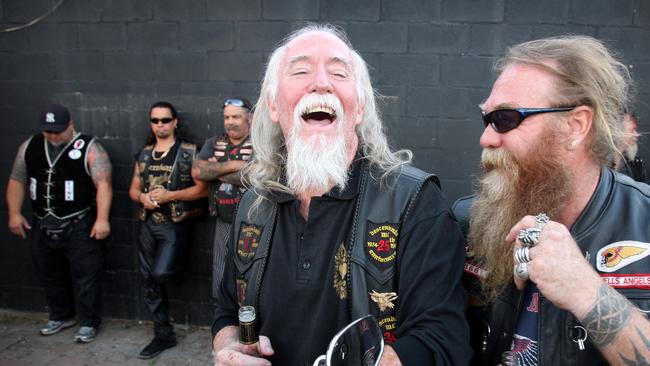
x: 558, y: 251
x: 67, y: 176
x: 162, y: 184
x: 220, y: 161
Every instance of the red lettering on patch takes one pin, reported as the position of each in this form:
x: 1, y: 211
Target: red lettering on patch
x: 639, y: 280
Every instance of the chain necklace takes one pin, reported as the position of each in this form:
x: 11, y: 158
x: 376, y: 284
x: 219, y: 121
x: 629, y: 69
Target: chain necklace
x: 164, y: 153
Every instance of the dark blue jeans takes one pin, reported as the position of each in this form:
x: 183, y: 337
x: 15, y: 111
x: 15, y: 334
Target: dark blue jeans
x: 71, y: 259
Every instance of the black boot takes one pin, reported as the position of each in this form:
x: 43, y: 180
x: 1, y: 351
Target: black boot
x: 156, y: 346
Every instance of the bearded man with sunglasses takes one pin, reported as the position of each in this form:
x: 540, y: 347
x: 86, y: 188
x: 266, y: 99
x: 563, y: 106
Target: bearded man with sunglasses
x: 68, y: 176
x: 162, y: 184
x: 220, y: 161
x: 336, y: 225
x: 558, y: 252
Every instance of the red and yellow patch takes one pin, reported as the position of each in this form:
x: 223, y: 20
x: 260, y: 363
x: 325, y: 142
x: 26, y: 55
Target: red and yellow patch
x: 388, y: 325
x: 249, y: 239
x: 381, y: 242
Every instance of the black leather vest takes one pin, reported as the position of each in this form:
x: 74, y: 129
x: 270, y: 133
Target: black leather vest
x: 59, y: 186
x: 387, y: 207
x: 180, y: 178
x: 619, y: 210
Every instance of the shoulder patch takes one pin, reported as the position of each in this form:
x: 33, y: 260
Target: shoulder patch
x: 615, y: 256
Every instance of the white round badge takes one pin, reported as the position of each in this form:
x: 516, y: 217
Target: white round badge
x: 78, y: 144
x: 74, y: 154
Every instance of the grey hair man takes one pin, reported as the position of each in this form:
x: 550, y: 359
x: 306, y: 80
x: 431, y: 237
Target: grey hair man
x: 336, y: 225
x: 569, y: 285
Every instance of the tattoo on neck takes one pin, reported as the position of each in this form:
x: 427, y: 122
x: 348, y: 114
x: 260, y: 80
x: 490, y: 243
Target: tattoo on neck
x: 610, y: 314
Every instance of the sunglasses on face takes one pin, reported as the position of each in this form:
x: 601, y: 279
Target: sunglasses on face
x: 165, y: 120
x: 504, y: 120
x: 237, y: 103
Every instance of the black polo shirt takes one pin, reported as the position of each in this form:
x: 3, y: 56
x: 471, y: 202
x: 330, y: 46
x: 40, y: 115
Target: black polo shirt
x: 299, y: 308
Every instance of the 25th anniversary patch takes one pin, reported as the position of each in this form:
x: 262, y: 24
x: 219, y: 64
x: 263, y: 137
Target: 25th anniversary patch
x: 381, y: 243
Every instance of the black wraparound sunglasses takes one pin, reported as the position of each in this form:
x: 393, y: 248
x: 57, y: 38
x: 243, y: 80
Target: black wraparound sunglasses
x: 504, y: 120
x: 165, y: 120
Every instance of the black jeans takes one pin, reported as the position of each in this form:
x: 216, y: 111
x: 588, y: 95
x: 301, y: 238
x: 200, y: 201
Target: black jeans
x: 73, y: 259
x: 162, y: 253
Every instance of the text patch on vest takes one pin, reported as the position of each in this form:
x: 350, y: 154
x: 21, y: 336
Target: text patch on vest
x: 248, y: 241
x: 381, y: 243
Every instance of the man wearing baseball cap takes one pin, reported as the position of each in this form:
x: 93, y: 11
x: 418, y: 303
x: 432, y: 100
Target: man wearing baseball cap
x: 67, y: 176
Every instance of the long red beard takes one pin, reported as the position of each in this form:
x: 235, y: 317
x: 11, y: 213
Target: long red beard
x: 508, y: 190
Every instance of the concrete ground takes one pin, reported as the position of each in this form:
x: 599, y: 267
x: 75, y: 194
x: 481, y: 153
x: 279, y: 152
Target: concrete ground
x: 118, y: 343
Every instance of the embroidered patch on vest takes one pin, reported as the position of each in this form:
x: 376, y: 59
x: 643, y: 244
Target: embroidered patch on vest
x: 615, y: 256
x: 341, y: 272
x: 388, y: 325
x: 74, y: 154
x: 249, y: 239
x: 384, y: 300
x: 641, y: 280
x: 474, y: 270
x: 78, y: 144
x: 241, y: 291
x: 381, y: 243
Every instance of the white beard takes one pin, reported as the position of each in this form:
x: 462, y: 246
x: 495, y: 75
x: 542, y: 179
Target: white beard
x: 316, y: 164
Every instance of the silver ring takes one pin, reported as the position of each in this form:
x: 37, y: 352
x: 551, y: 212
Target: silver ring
x: 522, y: 255
x: 540, y: 220
x: 521, y: 271
x: 529, y: 237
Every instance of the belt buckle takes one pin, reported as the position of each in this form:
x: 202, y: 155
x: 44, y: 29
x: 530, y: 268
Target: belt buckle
x: 158, y: 218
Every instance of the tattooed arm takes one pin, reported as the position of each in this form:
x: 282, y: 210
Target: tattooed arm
x: 618, y: 328
x: 208, y: 170
x: 564, y: 277
x: 16, y: 194
x: 232, y: 178
x: 99, y: 166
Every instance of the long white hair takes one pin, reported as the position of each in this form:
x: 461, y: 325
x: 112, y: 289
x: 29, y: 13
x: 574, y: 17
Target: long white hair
x: 266, y: 170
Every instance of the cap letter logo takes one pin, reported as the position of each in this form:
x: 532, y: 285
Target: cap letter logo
x: 49, y: 118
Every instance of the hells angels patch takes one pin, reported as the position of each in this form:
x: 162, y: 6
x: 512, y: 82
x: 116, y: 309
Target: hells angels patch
x: 249, y: 239
x: 381, y: 243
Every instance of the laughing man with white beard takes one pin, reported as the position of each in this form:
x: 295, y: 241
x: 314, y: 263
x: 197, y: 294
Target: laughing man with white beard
x: 335, y: 224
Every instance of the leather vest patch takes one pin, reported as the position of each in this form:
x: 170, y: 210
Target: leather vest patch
x: 341, y: 272
x: 381, y: 243
x: 617, y: 255
x: 248, y: 241
x: 242, y: 284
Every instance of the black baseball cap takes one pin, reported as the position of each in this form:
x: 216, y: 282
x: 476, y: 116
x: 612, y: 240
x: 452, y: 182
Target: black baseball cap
x: 55, y: 119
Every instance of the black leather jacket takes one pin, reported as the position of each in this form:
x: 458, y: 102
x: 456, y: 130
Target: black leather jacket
x: 618, y: 210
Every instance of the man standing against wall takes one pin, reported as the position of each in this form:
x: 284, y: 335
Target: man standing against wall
x: 220, y: 161
x: 163, y: 185
x: 67, y: 173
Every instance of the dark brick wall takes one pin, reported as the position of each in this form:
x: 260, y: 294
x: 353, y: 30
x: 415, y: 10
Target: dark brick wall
x: 108, y: 60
